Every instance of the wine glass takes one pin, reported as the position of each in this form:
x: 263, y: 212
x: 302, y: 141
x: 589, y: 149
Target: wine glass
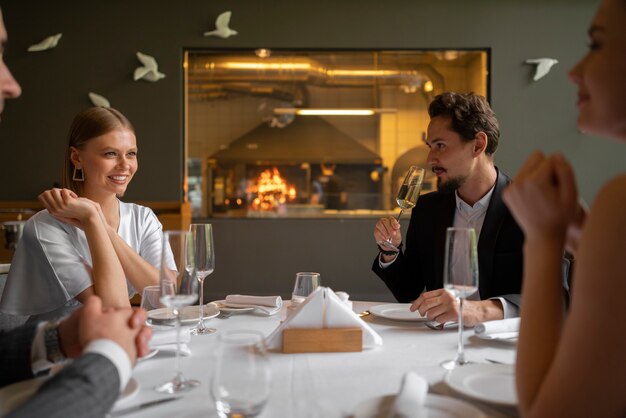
x: 460, y: 277
x: 203, y: 264
x: 407, y: 198
x: 179, y: 288
x: 241, y: 382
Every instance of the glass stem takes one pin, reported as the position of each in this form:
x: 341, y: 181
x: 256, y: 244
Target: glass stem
x: 201, y: 321
x: 399, y: 215
x: 397, y: 219
x: 178, y: 326
x: 460, y: 357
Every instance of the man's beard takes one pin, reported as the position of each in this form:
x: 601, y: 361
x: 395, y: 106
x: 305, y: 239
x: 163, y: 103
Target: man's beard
x: 451, y: 185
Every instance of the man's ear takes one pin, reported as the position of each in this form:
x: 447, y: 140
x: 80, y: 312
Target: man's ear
x: 75, y: 158
x: 480, y: 143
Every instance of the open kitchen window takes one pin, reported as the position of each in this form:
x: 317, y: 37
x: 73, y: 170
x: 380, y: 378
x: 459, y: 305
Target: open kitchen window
x: 276, y: 133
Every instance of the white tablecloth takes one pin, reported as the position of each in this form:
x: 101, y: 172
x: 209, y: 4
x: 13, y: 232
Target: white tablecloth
x: 324, y: 385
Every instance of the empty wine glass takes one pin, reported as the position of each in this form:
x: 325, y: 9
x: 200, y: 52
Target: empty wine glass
x: 179, y: 288
x: 460, y: 277
x: 241, y: 382
x: 203, y: 264
x: 407, y: 198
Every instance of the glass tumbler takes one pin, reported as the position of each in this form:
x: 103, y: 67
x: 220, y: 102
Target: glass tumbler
x: 306, y: 283
x: 242, y: 378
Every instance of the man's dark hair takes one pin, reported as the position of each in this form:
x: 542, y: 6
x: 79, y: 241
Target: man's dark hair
x: 470, y: 114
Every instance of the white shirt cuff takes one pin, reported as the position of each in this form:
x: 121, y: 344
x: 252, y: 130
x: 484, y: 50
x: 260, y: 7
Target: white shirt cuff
x: 38, y: 354
x: 114, y: 352
x: 509, y: 310
x: 384, y: 265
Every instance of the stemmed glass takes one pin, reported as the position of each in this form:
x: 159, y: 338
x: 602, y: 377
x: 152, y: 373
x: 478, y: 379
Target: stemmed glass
x: 241, y: 382
x: 460, y: 277
x: 179, y: 288
x: 203, y: 262
x: 407, y: 197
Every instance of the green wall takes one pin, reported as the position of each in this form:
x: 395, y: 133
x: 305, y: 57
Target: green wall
x: 100, y: 38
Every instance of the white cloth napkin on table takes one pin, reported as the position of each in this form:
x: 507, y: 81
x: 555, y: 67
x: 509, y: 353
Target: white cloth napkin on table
x: 409, y: 402
x: 269, y: 305
x: 165, y: 340
x: 324, y: 309
x: 497, y: 328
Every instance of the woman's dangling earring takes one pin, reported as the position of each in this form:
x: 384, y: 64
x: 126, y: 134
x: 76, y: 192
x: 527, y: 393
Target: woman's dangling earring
x: 78, y: 175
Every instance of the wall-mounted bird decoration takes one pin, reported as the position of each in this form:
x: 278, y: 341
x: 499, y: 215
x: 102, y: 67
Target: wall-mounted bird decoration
x: 98, y: 100
x: 150, y: 69
x: 543, y: 66
x: 221, y: 26
x: 48, y: 43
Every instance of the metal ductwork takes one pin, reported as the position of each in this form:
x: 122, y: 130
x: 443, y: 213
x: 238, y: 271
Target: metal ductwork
x: 213, y: 76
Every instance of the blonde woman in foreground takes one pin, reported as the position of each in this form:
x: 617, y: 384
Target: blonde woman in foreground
x: 87, y: 241
x: 573, y: 365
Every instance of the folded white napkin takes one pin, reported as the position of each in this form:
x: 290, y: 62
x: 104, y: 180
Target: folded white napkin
x: 184, y: 349
x: 165, y: 340
x: 323, y: 309
x: 497, y: 327
x: 269, y: 305
x: 409, y: 402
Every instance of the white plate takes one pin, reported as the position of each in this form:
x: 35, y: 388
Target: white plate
x: 493, y: 383
x: 397, y: 311
x: 436, y: 406
x: 131, y: 389
x: 504, y: 337
x: 188, y: 314
x: 221, y: 304
x: 149, y: 355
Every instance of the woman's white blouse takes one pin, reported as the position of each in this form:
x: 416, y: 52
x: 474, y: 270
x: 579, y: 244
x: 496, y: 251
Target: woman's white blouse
x: 52, y: 263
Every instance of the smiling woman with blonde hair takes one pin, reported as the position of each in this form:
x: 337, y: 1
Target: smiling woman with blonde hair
x: 573, y: 365
x: 87, y: 241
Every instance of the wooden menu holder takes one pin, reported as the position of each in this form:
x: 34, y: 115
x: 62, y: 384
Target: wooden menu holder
x: 322, y: 340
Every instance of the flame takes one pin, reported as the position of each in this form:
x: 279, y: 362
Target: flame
x: 271, y: 191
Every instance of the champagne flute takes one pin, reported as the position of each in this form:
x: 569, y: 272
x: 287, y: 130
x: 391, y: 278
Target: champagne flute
x: 203, y: 263
x: 179, y: 288
x: 407, y: 198
x: 460, y: 277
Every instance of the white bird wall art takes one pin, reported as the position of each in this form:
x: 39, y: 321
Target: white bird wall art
x: 221, y: 26
x: 98, y: 100
x: 543, y: 66
x: 150, y: 69
x: 48, y: 43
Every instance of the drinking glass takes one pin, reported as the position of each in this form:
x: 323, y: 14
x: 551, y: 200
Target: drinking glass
x: 306, y: 283
x: 242, y: 378
x: 203, y: 264
x: 179, y: 288
x: 407, y: 198
x: 151, y: 297
x: 460, y: 277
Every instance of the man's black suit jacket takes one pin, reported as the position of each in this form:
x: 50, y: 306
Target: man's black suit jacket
x: 420, y: 267
x: 86, y: 388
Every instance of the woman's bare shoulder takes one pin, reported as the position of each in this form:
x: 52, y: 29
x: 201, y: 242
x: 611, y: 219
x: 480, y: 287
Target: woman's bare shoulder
x: 611, y: 199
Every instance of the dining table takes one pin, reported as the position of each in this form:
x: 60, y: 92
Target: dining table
x: 324, y: 385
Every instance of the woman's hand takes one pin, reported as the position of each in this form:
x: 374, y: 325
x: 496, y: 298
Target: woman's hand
x: 543, y: 196
x: 67, y: 207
